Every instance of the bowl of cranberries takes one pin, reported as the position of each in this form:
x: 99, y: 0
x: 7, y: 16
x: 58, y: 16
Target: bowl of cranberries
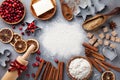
x: 12, y: 11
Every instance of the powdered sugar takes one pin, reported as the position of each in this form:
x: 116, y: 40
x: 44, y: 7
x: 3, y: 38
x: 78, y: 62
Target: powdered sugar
x: 79, y: 68
x: 62, y: 40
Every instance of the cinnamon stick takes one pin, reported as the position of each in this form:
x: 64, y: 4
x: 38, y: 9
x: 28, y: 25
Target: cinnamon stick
x: 111, y: 66
x: 51, y: 73
x: 61, y: 67
x: 95, y: 64
x: 101, y: 64
x: 95, y: 54
x: 58, y: 71
x: 48, y: 72
x: 39, y: 70
x: 90, y: 47
x: 56, y: 74
x: 43, y: 77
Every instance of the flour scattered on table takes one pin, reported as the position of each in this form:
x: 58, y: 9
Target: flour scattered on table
x: 62, y: 40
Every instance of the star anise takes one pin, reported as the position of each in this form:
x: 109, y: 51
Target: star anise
x: 112, y: 25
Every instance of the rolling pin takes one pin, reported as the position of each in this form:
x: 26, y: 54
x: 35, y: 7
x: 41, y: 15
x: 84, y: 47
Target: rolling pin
x: 18, y: 66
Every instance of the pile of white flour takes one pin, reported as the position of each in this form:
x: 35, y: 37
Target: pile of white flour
x: 62, y: 40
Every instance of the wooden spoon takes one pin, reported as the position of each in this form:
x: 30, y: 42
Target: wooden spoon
x: 66, y: 11
x: 96, y: 21
x: 46, y: 15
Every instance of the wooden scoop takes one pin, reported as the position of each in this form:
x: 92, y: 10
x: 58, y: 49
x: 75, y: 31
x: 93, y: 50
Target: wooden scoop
x: 66, y: 11
x: 96, y: 21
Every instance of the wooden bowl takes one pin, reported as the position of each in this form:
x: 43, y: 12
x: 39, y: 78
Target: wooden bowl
x: 67, y: 68
x: 46, y: 15
x: 17, y: 21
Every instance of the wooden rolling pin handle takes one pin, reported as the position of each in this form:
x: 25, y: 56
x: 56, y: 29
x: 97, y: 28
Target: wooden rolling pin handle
x: 115, y: 11
x: 28, y: 52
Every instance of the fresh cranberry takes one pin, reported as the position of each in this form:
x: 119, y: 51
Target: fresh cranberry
x: 13, y: 27
x: 38, y: 52
x: 56, y: 60
x: 37, y: 58
x: 28, y: 75
x: 20, y: 28
x: 22, y: 33
x: 28, y: 34
x: 33, y: 75
x: 41, y: 59
x: 36, y: 64
x: 23, y: 24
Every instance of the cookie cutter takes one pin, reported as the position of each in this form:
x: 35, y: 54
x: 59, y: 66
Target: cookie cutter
x: 5, y: 57
x: 110, y: 53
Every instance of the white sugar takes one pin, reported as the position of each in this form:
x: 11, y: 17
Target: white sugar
x: 62, y: 40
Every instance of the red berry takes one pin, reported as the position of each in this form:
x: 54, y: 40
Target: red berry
x: 23, y: 24
x: 33, y: 75
x: 41, y: 59
x: 36, y: 64
x: 56, y: 60
x: 22, y: 33
x: 20, y: 28
x: 28, y: 75
x: 37, y: 58
x: 13, y: 27
x: 38, y: 52
x: 28, y: 34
